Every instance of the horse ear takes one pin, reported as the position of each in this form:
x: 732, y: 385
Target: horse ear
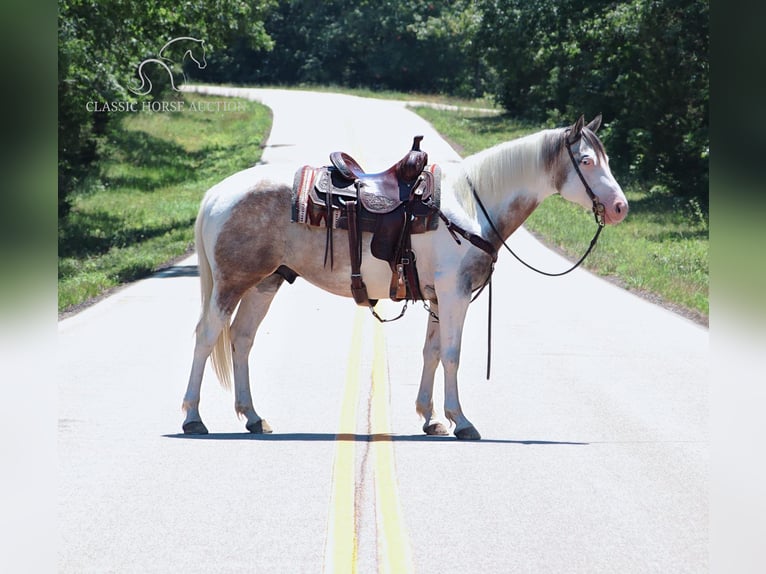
x: 594, y: 124
x: 576, y: 129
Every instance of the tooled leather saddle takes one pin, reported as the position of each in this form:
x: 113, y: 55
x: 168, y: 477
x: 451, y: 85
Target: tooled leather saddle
x: 392, y: 205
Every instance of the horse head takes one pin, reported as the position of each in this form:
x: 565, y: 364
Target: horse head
x: 589, y: 181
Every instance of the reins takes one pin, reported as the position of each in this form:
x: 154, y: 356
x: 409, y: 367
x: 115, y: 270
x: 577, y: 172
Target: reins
x: 598, y: 213
x: 487, y: 247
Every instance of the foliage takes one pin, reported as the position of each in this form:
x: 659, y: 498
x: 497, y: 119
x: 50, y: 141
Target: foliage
x: 101, y: 43
x: 642, y: 63
x: 418, y: 45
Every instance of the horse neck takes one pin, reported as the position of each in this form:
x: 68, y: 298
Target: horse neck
x: 511, y: 179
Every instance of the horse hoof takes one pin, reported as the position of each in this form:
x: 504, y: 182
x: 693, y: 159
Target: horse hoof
x: 468, y: 433
x: 194, y: 427
x: 260, y: 427
x: 435, y: 429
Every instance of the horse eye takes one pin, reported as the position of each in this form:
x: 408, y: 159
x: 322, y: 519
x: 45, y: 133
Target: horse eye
x: 585, y: 160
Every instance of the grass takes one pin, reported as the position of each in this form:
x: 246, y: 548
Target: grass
x: 139, y: 214
x: 660, y: 251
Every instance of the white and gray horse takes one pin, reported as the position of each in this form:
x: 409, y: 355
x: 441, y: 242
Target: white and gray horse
x: 247, y: 245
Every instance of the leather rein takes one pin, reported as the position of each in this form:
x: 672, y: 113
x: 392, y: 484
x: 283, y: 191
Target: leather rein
x: 598, y: 213
x: 489, y: 248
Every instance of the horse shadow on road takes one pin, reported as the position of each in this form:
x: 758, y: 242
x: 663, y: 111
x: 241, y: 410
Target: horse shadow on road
x: 351, y: 437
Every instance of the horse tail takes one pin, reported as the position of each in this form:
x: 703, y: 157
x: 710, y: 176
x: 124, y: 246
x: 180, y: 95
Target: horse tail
x: 220, y: 356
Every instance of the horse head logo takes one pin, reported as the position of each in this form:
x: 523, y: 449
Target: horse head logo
x: 165, y: 62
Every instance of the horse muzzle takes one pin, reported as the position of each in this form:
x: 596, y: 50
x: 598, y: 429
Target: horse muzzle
x: 616, y: 212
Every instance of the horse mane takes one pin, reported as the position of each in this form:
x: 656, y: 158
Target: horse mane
x: 528, y: 158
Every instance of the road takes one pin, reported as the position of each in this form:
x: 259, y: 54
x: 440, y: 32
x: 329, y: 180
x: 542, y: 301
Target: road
x: 594, y: 456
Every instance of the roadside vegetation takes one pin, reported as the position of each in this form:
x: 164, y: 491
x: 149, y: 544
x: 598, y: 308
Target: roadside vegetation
x: 138, y: 212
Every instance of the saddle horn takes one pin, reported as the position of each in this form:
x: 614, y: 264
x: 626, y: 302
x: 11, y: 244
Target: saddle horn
x: 413, y: 163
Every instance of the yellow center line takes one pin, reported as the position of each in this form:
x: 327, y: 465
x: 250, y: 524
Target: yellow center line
x: 341, y: 544
x: 394, y: 551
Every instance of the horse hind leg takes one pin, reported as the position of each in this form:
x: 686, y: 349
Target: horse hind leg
x: 252, y: 310
x: 209, y: 329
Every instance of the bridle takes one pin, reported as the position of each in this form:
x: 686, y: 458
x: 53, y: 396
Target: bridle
x: 598, y: 213
x: 598, y: 207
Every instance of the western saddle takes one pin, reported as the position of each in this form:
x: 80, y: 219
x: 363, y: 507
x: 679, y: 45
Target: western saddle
x: 385, y: 191
x: 392, y: 205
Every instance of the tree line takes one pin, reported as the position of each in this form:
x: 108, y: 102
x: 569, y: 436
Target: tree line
x: 642, y: 63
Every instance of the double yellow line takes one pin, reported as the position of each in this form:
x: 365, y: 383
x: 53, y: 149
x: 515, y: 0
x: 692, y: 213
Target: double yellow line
x: 393, y: 548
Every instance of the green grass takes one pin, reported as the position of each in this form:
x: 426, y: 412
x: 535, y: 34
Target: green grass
x: 139, y: 214
x: 660, y: 251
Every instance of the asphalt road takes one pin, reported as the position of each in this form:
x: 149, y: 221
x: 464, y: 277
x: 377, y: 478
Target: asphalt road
x: 594, y: 456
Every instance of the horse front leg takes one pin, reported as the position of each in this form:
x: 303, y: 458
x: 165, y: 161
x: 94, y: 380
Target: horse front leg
x: 451, y: 333
x: 424, y: 405
x: 252, y: 309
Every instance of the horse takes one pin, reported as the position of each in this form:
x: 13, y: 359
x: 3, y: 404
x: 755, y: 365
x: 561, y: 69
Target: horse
x: 248, y: 246
x: 165, y: 62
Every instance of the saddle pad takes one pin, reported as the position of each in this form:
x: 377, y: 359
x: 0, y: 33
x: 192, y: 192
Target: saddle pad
x: 303, y: 209
x: 312, y: 185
